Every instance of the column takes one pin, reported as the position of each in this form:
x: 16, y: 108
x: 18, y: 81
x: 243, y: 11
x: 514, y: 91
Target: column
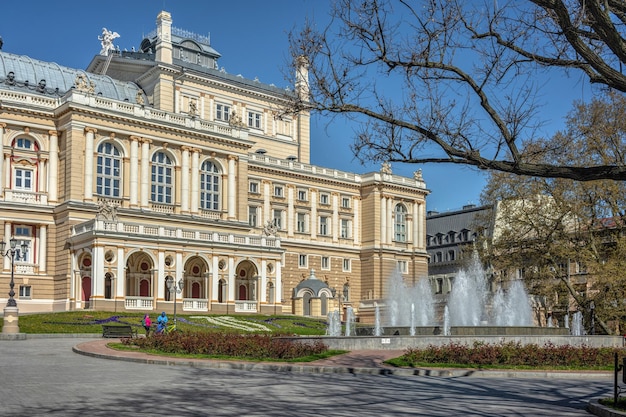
x: 313, y: 194
x: 145, y: 173
x: 416, y: 225
x: 231, y: 187
x: 184, y: 175
x: 53, y: 169
x: 7, y: 236
x: 267, y: 216
x: 180, y: 274
x: 231, y: 279
x: 215, y: 276
x: 43, y: 247
x: 2, y: 177
x: 383, y: 219
x: 160, y: 273
x: 195, y: 179
x: 278, y: 290
x: 89, y: 141
x: 120, y: 276
x: 97, y: 275
x: 261, y: 291
x: 356, y: 223
x: 390, y: 220
x: 336, y: 229
x: 134, y: 171
x: 421, y: 217
x: 290, y: 210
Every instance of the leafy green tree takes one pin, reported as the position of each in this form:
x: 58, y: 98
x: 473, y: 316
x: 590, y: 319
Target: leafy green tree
x: 545, y: 225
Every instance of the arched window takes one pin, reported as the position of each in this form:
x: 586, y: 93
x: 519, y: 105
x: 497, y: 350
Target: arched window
x: 209, y: 186
x: 109, y: 170
x: 162, y: 178
x: 400, y: 223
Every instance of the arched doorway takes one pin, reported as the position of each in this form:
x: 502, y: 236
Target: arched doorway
x: 86, y: 293
x: 139, y: 283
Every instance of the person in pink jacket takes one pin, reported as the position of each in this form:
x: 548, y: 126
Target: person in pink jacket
x: 146, y: 322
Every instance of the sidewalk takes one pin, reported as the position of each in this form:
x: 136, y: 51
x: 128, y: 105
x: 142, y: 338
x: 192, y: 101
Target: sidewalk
x: 354, y: 362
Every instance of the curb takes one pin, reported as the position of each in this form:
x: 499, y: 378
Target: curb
x: 600, y: 410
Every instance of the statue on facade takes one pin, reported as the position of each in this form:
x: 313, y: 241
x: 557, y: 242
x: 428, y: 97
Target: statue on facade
x: 386, y: 168
x: 193, y: 108
x: 270, y: 228
x: 106, y: 40
x: 82, y: 84
x: 107, y: 210
x: 417, y: 175
x: 235, y: 119
x: 139, y: 98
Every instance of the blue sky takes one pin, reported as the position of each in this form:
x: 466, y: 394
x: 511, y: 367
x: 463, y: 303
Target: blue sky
x: 251, y: 35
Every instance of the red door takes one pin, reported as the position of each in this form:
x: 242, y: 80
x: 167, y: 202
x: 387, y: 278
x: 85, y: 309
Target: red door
x: 86, y: 284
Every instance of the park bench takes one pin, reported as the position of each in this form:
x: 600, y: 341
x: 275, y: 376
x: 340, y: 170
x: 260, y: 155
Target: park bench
x: 117, y: 330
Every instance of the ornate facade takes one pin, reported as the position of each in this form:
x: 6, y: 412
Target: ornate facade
x: 156, y: 164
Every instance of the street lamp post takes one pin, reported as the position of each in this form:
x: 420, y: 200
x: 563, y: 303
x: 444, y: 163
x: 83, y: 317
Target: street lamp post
x: 10, y: 311
x: 174, y: 289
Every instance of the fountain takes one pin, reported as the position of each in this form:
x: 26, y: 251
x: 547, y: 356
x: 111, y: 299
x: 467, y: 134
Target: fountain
x: 471, y: 309
x: 350, y: 320
x: 577, y: 324
x: 334, y: 324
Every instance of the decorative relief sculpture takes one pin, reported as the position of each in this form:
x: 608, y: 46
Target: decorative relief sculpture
x: 107, y: 210
x: 82, y: 84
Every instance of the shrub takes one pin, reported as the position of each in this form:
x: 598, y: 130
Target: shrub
x: 513, y: 354
x: 253, y: 346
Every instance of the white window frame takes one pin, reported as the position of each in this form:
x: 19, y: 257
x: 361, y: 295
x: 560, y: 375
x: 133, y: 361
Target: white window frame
x: 345, y: 202
x: 403, y: 266
x: 301, y: 223
x: 253, y: 187
x: 277, y: 218
x: 325, y: 199
x: 303, y: 261
x: 325, y: 263
x: 222, y: 112
x: 346, y: 228
x: 210, y: 186
x: 253, y: 216
x: 20, y: 178
x: 324, y: 225
x: 109, y: 163
x: 279, y: 191
x: 25, y: 292
x: 302, y: 195
x: 347, y: 265
x: 255, y: 119
x: 23, y: 233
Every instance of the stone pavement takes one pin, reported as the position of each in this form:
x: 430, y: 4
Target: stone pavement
x: 42, y: 376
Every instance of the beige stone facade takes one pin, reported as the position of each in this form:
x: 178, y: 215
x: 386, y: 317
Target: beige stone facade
x: 156, y: 165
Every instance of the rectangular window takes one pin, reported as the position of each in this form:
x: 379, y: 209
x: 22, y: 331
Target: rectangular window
x: 278, y: 215
x: 302, y: 195
x: 301, y: 223
x: 302, y: 261
x: 25, y: 291
x: 324, y: 223
x: 222, y: 112
x: 24, y: 236
x: 346, y: 229
x: 278, y: 191
x: 324, y: 199
x: 254, y: 119
x: 346, y: 265
x: 23, y: 179
x: 403, y: 267
x: 252, y: 216
x: 345, y: 202
x: 325, y: 263
x: 254, y: 187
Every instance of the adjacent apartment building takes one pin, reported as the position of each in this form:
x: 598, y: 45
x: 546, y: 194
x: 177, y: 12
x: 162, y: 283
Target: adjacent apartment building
x: 154, y: 166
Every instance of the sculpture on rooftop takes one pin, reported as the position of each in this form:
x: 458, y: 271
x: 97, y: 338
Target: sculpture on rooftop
x: 106, y: 40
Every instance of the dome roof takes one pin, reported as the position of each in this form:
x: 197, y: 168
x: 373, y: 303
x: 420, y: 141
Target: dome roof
x: 312, y: 283
x: 20, y: 72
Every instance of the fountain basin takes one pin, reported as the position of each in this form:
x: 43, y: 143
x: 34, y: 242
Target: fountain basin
x: 466, y: 331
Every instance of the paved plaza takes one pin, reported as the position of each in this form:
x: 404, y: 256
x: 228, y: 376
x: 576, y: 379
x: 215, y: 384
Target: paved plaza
x: 46, y: 377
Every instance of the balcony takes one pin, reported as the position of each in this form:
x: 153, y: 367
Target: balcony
x: 26, y: 197
x: 139, y: 303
